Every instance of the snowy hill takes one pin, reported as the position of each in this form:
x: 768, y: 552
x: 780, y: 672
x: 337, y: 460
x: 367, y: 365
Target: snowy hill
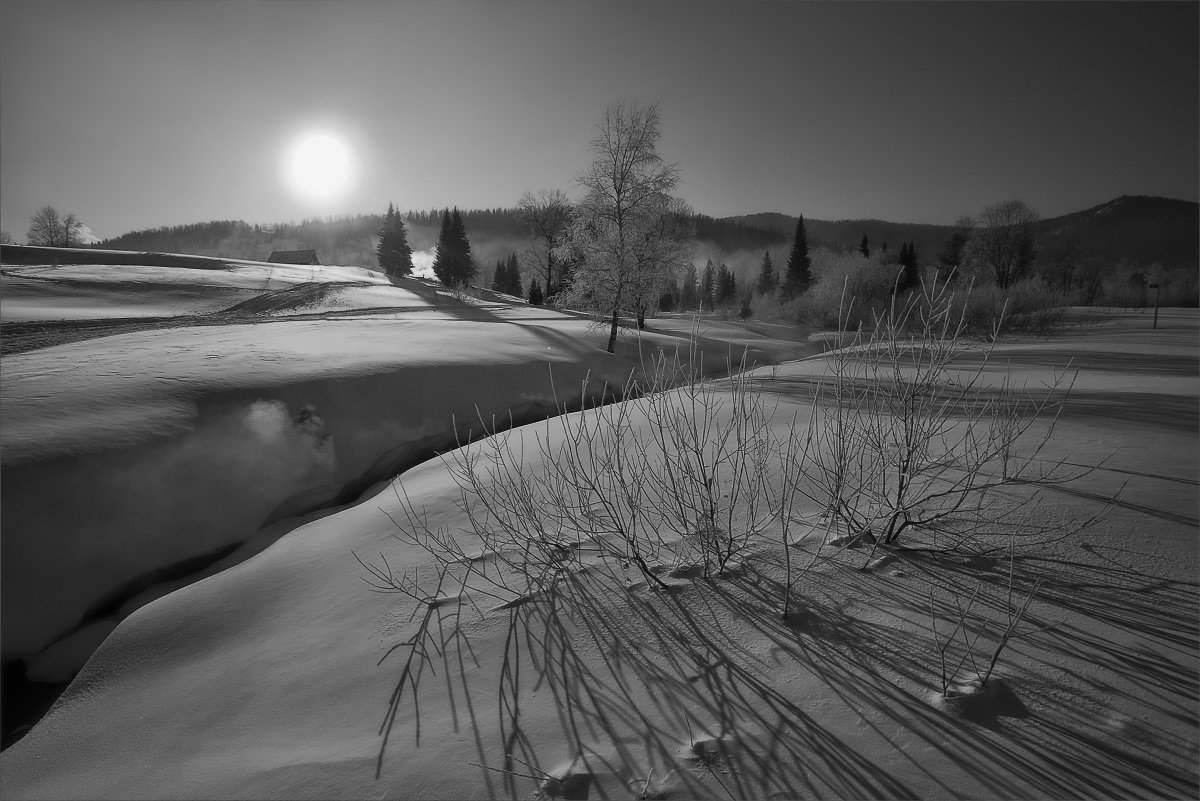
x: 198, y: 507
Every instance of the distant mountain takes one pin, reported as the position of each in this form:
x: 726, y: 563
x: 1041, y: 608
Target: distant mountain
x: 1139, y: 228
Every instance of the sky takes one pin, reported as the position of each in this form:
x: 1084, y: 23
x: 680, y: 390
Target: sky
x: 134, y: 115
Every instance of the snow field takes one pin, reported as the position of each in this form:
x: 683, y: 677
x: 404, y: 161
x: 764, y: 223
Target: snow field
x: 263, y: 679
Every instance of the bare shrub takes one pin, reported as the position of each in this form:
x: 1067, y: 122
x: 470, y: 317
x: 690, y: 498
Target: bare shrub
x: 838, y: 276
x: 906, y: 435
x: 1025, y: 306
x: 962, y: 647
x: 678, y: 476
x: 713, y: 458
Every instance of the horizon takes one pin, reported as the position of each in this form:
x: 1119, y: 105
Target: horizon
x: 407, y: 212
x: 901, y: 112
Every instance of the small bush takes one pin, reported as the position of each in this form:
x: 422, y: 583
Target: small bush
x: 905, y: 436
x: 1026, y: 306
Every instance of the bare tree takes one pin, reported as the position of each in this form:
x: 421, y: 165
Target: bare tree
x: 617, y: 231
x: 661, y: 252
x: 546, y: 213
x: 6, y: 238
x: 48, y: 229
x: 1002, y: 246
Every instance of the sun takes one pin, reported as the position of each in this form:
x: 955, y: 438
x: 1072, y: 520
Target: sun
x: 321, y: 167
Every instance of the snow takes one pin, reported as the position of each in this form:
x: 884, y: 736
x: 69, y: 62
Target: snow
x: 192, y: 429
x: 263, y: 679
x: 97, y: 291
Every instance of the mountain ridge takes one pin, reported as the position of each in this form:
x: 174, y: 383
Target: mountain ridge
x: 1139, y: 229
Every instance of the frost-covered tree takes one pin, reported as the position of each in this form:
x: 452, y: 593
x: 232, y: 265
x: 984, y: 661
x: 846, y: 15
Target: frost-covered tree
x: 395, y: 255
x: 798, y: 277
x: 1002, y: 245
x: 49, y: 229
x: 626, y: 236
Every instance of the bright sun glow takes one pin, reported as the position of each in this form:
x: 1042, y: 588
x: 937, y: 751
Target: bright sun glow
x: 321, y: 166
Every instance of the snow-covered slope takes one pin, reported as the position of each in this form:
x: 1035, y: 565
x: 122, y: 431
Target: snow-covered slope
x: 135, y: 458
x: 264, y: 681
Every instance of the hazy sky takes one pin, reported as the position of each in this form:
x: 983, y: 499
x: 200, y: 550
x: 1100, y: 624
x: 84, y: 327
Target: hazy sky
x: 139, y: 114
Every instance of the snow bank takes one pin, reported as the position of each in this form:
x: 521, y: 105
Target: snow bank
x: 96, y: 291
x: 130, y: 453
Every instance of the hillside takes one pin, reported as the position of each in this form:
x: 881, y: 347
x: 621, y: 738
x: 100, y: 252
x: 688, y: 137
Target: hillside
x: 1122, y: 235
x: 1141, y: 229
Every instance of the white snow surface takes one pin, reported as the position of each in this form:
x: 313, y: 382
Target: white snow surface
x: 98, y: 291
x: 262, y: 680
x: 195, y: 429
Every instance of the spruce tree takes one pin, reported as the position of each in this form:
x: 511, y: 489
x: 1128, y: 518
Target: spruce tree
x: 708, y: 285
x: 514, y: 276
x: 535, y: 292
x: 909, y: 271
x: 864, y: 247
x: 395, y: 255
x: 798, y: 278
x: 453, y: 265
x: 767, y: 280
x: 500, y: 276
x: 950, y: 259
x: 726, y: 291
x: 689, y: 293
x: 464, y: 264
x: 443, y: 260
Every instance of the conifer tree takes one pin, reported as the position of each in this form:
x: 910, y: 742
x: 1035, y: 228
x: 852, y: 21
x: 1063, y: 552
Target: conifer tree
x: 767, y: 280
x: 514, y: 275
x: 689, y: 294
x: 442, y: 261
x: 726, y: 291
x: 950, y: 259
x: 864, y: 247
x: 708, y: 285
x: 535, y: 292
x: 500, y: 276
x: 909, y: 270
x: 395, y: 255
x: 453, y: 265
x: 798, y: 278
x: 462, y: 249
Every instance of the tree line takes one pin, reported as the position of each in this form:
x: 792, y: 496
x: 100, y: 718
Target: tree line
x: 628, y: 248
